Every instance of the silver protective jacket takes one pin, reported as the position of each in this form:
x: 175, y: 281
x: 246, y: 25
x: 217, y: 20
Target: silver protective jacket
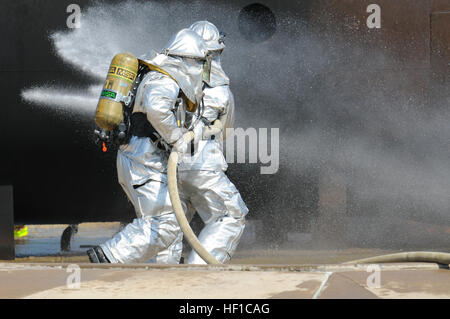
x: 156, y: 97
x: 218, y: 101
x: 183, y: 60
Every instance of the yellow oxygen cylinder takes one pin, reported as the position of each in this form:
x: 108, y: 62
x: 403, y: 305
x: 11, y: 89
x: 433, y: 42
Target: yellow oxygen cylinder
x: 121, y: 75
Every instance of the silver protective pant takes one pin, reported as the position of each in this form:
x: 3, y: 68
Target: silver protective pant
x: 221, y: 208
x: 156, y: 227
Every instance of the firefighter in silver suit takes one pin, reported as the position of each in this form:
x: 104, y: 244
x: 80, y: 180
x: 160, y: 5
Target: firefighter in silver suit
x: 203, y: 184
x: 175, y: 77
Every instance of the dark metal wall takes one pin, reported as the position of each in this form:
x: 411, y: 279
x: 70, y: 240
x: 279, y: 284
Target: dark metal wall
x: 6, y: 223
x: 59, y: 176
x: 48, y: 158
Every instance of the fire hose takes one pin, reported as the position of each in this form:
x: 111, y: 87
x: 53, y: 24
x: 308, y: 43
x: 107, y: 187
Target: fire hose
x: 420, y: 256
x: 415, y: 256
x: 175, y: 197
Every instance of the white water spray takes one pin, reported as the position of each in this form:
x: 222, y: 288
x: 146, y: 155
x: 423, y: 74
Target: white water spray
x: 397, y: 151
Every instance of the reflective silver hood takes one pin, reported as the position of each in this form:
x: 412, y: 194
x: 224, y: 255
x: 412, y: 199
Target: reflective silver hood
x: 211, y: 36
x: 187, y: 44
x: 209, y: 33
x: 182, y: 59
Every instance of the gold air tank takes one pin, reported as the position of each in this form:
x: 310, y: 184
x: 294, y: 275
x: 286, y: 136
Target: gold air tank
x: 121, y: 75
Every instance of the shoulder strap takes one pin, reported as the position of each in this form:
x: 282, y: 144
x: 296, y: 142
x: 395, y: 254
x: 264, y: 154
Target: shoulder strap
x: 190, y: 106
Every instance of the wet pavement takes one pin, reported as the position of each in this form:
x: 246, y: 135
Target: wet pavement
x: 45, y: 240
x: 43, y: 244
x: 41, y: 270
x: 416, y: 280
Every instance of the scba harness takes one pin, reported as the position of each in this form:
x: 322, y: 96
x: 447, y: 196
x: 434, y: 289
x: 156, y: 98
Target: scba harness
x: 137, y: 124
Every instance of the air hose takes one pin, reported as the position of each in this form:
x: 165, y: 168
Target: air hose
x: 415, y: 256
x: 179, y: 212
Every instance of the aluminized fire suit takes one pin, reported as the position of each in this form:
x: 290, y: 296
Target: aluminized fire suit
x: 203, y: 183
x: 141, y: 165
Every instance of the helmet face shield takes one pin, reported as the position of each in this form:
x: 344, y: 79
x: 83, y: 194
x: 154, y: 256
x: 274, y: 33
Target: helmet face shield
x: 215, y: 53
x: 213, y: 74
x: 207, y: 68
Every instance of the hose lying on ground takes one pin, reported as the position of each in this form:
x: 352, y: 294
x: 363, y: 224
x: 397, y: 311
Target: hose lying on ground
x: 179, y: 212
x: 415, y: 256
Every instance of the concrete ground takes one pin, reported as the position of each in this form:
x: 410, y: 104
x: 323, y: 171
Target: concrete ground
x: 41, y: 270
x: 418, y: 280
